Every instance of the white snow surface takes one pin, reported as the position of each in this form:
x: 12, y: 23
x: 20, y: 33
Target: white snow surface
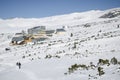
x: 99, y: 40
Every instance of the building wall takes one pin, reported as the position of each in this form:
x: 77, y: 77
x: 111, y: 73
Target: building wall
x: 60, y: 33
x: 28, y: 40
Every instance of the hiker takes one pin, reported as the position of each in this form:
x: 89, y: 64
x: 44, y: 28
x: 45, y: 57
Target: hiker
x: 18, y: 64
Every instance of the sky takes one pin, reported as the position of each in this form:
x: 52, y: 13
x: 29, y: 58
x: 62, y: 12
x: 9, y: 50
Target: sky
x: 46, y: 8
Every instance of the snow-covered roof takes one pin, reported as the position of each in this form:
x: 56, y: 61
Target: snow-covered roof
x: 60, y: 30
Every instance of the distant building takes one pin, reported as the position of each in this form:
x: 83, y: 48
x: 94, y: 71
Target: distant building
x: 60, y: 31
x: 36, y: 30
x: 35, y: 34
x: 18, y: 39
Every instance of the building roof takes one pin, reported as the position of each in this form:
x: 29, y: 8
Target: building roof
x: 19, y: 34
x: 50, y: 31
x: 21, y: 38
x: 60, y: 30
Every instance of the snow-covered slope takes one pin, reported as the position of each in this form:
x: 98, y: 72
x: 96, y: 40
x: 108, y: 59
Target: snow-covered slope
x: 94, y: 37
x: 17, y: 24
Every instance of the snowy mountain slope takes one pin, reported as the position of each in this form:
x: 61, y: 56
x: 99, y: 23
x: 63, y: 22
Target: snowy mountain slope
x: 74, y: 18
x: 111, y: 13
x: 93, y: 38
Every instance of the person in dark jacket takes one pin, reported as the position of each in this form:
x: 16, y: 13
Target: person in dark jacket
x: 19, y: 65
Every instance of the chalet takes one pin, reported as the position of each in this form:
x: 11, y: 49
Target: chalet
x: 60, y: 31
x: 18, y: 39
